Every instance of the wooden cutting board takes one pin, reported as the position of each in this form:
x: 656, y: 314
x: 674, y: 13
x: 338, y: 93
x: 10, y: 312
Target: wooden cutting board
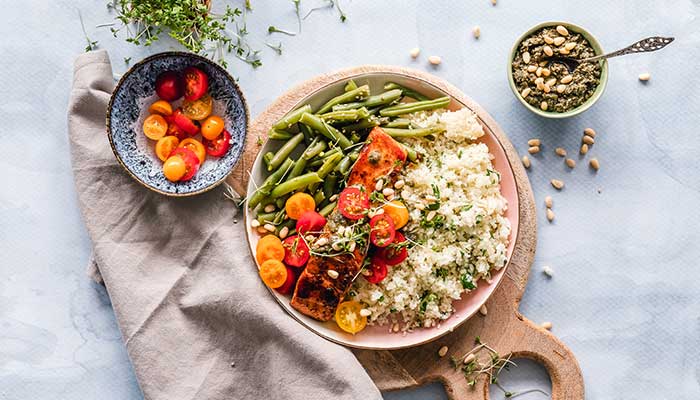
x: 504, y: 328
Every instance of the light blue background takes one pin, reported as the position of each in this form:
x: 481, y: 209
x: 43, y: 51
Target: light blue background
x: 624, y: 246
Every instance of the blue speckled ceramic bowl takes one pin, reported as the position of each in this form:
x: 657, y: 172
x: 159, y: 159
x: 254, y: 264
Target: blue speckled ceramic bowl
x: 129, y: 106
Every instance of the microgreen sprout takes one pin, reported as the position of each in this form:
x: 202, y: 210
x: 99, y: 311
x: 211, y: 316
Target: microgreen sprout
x: 91, y: 44
x: 276, y: 47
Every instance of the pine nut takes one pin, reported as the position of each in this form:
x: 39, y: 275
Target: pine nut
x: 547, y: 270
x: 525, y: 92
x: 270, y: 208
x: 430, y: 215
x: 533, y: 142
x: 546, y: 72
x: 566, y: 79
x: 321, y: 242
x: 564, y: 51
x: 365, y: 312
x: 546, y: 88
x: 254, y: 223
x: 468, y: 359
x: 543, y: 106
x: 443, y: 351
x: 526, y: 162
x: 483, y: 310
x: 269, y: 227
x: 420, y: 206
x: 547, y: 325
x: 548, y: 202
x: 560, y: 152
x: 561, y: 88
x: 415, y: 52
x: 570, y: 46
x: 379, y: 185
x: 533, y: 149
x: 548, y: 40
x: 557, y: 184
x: 539, y: 81
x: 550, y: 215
x: 590, y: 132
x: 538, y: 71
x: 399, y: 184
x: 262, y: 230
x: 531, y: 68
x: 396, y: 327
x: 540, y: 86
x: 435, y: 60
x: 588, y: 140
x: 332, y: 273
x: 559, y: 40
x: 476, y: 31
x: 333, y: 198
x: 351, y: 246
x: 551, y: 82
x: 493, y: 2
x: 284, y: 232
x: 644, y: 77
x: 562, y: 30
x: 548, y: 51
x: 570, y: 163
x: 387, y: 192
x: 543, y: 63
x: 526, y: 57
x: 595, y: 164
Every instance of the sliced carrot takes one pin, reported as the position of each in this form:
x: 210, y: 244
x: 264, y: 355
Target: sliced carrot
x: 298, y: 204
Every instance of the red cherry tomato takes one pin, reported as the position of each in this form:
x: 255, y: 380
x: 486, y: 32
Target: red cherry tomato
x: 310, y: 222
x: 184, y: 123
x: 378, y: 271
x: 296, y: 252
x: 219, y: 146
x: 196, y: 83
x: 191, y: 161
x: 382, y: 230
x: 396, y: 252
x: 174, y: 130
x: 353, y: 202
x: 289, y: 284
x: 169, y: 86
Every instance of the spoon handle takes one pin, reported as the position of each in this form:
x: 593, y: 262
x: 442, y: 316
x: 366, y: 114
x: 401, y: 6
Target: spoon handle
x: 645, y: 45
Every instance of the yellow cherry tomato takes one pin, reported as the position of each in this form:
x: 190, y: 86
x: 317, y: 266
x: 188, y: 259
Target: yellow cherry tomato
x: 165, y: 146
x: 298, y: 204
x: 212, y: 127
x: 198, y: 109
x: 161, y: 107
x: 155, y: 126
x: 269, y: 248
x: 348, y: 317
x: 273, y: 273
x: 398, y: 213
x: 174, y: 168
x: 196, y: 146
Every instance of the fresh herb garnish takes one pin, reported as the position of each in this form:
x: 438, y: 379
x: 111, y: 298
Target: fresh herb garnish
x: 467, y: 282
x: 91, y: 44
x: 425, y: 300
x: 442, y: 272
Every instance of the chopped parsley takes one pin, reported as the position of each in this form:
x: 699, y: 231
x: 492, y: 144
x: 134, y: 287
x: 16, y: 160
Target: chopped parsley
x: 467, y: 282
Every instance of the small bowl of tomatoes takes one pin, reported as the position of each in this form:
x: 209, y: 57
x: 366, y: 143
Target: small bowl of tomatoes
x: 177, y: 123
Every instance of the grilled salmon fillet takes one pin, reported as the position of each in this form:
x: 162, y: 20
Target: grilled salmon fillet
x: 317, y: 294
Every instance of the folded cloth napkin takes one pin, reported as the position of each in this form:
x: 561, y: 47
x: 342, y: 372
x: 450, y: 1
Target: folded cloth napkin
x: 196, y: 320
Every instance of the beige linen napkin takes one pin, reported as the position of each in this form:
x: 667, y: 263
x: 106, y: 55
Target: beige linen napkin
x: 196, y: 320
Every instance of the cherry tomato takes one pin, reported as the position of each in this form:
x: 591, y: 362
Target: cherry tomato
x: 382, y: 230
x: 395, y: 253
x: 378, y: 271
x: 398, y: 213
x: 310, y: 222
x: 269, y: 248
x: 161, y: 107
x: 298, y: 204
x: 191, y: 161
x: 348, y: 317
x: 169, y: 86
x: 288, y: 285
x: 174, y: 168
x: 155, y: 126
x: 296, y: 252
x: 196, y: 146
x: 273, y: 273
x: 165, y: 146
x: 196, y: 83
x: 219, y: 146
x: 174, y: 130
x: 198, y: 109
x: 184, y: 123
x: 353, y: 202
x: 212, y: 127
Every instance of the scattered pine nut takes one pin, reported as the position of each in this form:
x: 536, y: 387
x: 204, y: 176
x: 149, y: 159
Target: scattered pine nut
x: 270, y: 208
x: 443, y: 351
x: 269, y: 227
x: 548, y: 201
x: 570, y: 162
x: 544, y: 106
x: 476, y: 31
x: 538, y: 72
x: 525, y: 92
x: 379, y: 184
x: 550, y: 215
x: 566, y: 79
x: 483, y: 310
x: 254, y: 223
x: 387, y: 191
x: 561, y: 88
x: 594, y: 164
x: 415, y: 52
x: 399, y: 184
x: 468, y: 359
x: 526, y: 162
x: 396, y: 327
x: 533, y: 142
x: 332, y: 273
x: 533, y: 149
x: 560, y: 152
x: 546, y: 88
x: 435, y: 60
x: 569, y: 46
x: 548, y: 40
x: 365, y: 312
x: 564, y: 51
x: 526, y: 57
x: 558, y: 184
x: 284, y: 232
x: 588, y: 140
x: 559, y: 40
x: 589, y: 132
x: 531, y: 68
x: 261, y: 230
x: 548, y: 51
x: 644, y: 76
x: 547, y: 270
x: 584, y: 149
x: 562, y: 30
x: 551, y: 82
x: 430, y: 216
x: 546, y: 72
x: 547, y: 325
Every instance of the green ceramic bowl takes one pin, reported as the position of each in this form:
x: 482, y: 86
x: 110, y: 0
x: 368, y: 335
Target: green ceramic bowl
x: 583, y: 107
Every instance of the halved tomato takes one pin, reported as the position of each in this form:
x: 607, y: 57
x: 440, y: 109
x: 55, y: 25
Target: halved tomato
x: 398, y: 213
x: 269, y: 248
x: 191, y: 162
x: 296, y: 252
x: 174, y: 130
x: 378, y: 271
x: 288, y: 285
x: 353, y: 202
x: 155, y: 126
x: 310, y: 222
x: 395, y: 253
x: 273, y: 273
x: 169, y: 86
x: 196, y: 83
x: 165, y: 146
x: 198, y: 109
x: 184, y: 123
x: 196, y: 146
x: 219, y: 146
x: 212, y: 127
x: 349, y: 318
x: 161, y: 107
x: 382, y: 230
x: 174, y: 168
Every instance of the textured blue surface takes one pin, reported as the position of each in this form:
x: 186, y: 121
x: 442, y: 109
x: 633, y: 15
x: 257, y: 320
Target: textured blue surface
x: 624, y: 246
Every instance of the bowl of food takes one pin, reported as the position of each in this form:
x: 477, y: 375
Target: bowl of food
x: 177, y: 123
x: 549, y: 89
x: 381, y: 212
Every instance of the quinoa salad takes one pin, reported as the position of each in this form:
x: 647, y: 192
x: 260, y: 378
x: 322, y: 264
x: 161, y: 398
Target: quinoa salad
x: 458, y: 232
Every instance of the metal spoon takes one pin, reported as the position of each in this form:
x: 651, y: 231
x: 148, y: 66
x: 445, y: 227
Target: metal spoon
x: 645, y: 45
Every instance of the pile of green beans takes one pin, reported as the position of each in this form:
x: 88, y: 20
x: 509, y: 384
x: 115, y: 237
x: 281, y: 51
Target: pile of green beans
x: 328, y: 141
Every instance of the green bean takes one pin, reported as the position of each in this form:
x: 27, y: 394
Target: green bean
x: 325, y: 211
x: 351, y: 85
x: 329, y: 185
x: 355, y: 137
x: 317, y: 146
x: 268, y: 157
x: 344, y: 165
x: 266, y: 188
x: 289, y: 224
x: 412, y: 155
x: 398, y: 123
x: 406, y: 91
x: 276, y: 134
x: 326, y: 130
x: 354, y: 155
x: 407, y: 133
x: 407, y: 108
x: 284, y: 151
x: 279, y: 216
x: 299, y: 167
x: 308, y: 133
x: 319, y: 196
x: 265, y: 218
x: 370, y: 122
x: 295, y: 183
x: 326, y: 168
x: 375, y: 110
x: 281, y: 201
x: 345, y: 115
x: 291, y: 118
x: 372, y: 101
x: 360, y: 93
